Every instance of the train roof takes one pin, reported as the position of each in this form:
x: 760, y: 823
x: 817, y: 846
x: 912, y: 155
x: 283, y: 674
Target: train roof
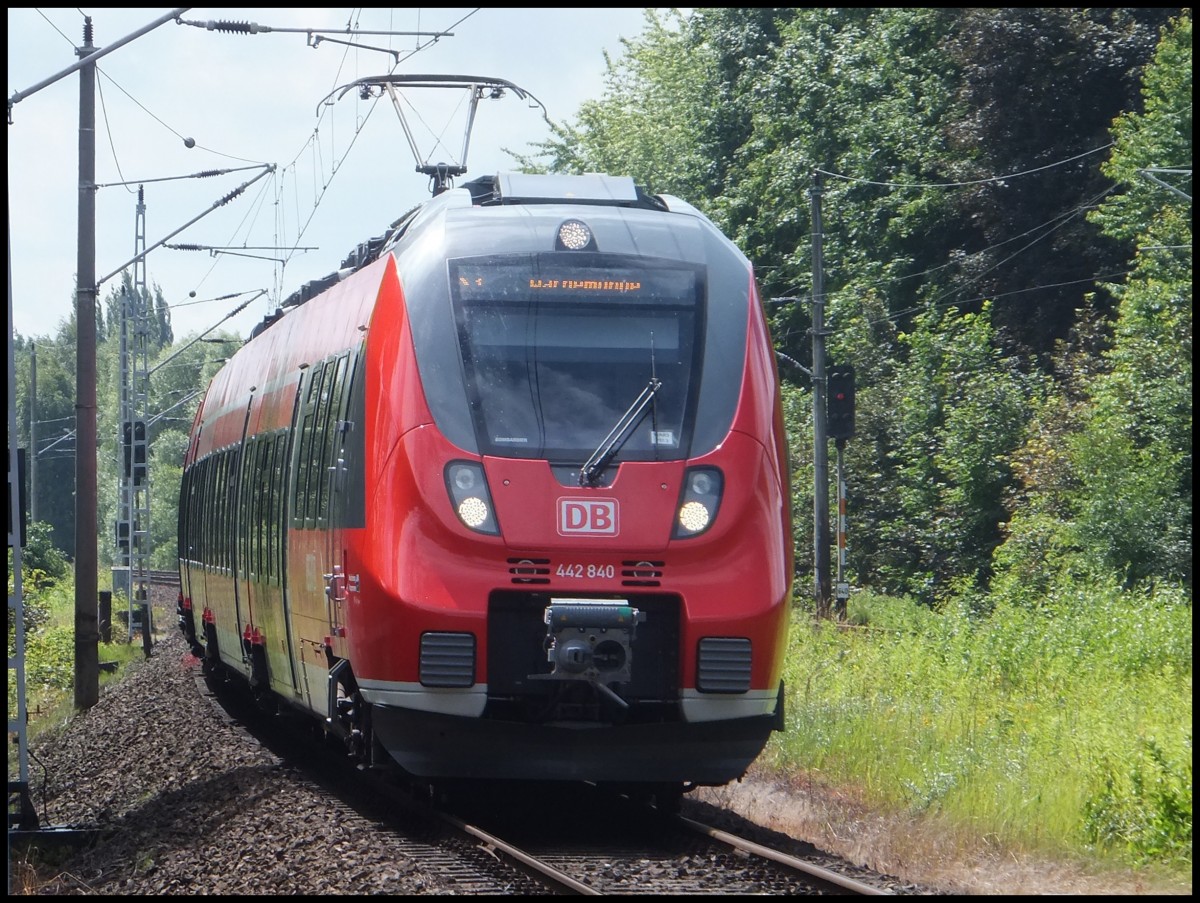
x: 501, y: 189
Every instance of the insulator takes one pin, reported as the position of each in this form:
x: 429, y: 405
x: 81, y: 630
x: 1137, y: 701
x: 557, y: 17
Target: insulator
x: 234, y: 27
x: 229, y: 197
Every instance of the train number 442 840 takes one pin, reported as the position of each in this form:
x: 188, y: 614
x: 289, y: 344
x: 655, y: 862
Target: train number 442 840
x: 579, y: 571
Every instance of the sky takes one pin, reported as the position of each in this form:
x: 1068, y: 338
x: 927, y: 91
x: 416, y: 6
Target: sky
x: 184, y: 99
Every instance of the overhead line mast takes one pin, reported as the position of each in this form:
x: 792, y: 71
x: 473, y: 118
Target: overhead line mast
x: 133, y: 468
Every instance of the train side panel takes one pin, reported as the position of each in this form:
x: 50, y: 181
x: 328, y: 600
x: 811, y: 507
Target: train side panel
x: 257, y: 589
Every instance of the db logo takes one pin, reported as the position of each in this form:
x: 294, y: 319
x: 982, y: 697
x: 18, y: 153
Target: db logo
x: 595, y: 516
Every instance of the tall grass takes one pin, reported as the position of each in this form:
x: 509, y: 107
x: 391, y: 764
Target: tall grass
x: 50, y: 655
x: 1066, y: 728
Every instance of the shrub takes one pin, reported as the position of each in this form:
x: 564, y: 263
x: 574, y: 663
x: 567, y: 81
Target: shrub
x: 49, y: 658
x: 1144, y: 807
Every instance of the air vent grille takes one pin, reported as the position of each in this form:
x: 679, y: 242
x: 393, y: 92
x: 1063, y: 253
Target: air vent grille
x: 641, y: 573
x: 723, y: 665
x: 529, y: 570
x: 447, y: 659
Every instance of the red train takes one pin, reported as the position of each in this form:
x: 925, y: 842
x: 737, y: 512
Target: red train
x: 507, y: 497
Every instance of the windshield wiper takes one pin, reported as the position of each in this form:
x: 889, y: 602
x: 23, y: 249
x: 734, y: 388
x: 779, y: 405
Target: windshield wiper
x: 589, y: 474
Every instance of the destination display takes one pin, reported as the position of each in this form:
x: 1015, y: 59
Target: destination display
x: 516, y: 280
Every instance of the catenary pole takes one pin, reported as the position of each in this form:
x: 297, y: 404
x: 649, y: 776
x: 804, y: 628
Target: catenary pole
x: 820, y: 442
x: 33, y: 449
x: 87, y: 635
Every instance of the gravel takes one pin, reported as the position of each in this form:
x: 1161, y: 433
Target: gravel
x: 188, y: 803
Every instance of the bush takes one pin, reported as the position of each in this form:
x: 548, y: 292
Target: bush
x: 871, y: 609
x: 50, y: 657
x: 1145, y: 807
x: 40, y: 554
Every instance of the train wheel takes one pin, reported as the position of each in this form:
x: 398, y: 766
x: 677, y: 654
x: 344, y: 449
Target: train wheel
x: 267, y: 701
x: 666, y: 796
x: 669, y: 798
x: 219, y: 680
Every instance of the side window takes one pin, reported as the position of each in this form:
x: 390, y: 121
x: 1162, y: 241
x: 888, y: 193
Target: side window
x: 231, y: 500
x: 216, y: 510
x: 200, y: 522
x: 258, y: 519
x: 275, y: 506
x: 204, y: 513
x: 181, y: 515
x: 304, y: 508
x: 351, y: 493
x: 242, y: 522
x: 332, y: 411
x: 187, y: 511
x: 252, y: 512
x: 220, y: 506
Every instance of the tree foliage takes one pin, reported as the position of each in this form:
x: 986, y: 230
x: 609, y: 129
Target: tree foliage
x: 1127, y: 508
x: 50, y: 413
x: 959, y: 152
x: 958, y: 414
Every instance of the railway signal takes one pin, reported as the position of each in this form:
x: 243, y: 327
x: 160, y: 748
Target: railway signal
x: 840, y: 402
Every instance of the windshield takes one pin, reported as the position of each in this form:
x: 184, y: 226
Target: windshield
x: 554, y: 352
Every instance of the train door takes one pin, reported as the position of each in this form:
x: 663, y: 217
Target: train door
x: 186, y: 551
x: 332, y: 484
x: 241, y: 480
x: 308, y: 547
x: 260, y: 574
x: 280, y: 512
x: 244, y: 563
x: 274, y: 549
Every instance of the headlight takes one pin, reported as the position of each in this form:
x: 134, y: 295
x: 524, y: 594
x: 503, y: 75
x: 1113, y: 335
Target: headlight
x: 470, y: 498
x: 698, y: 502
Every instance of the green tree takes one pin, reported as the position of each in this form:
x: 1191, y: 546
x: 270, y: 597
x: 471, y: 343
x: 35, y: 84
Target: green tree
x: 1136, y: 448
x: 40, y: 554
x: 646, y: 124
x: 1116, y: 498
x: 166, y: 469
x: 958, y: 148
x: 960, y: 412
x: 53, y: 407
x: 1038, y: 90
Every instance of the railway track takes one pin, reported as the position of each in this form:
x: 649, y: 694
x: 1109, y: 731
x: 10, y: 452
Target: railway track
x: 586, y: 841
x: 549, y: 839
x: 723, y: 866
x: 810, y: 869
x: 552, y: 839
x: 163, y: 578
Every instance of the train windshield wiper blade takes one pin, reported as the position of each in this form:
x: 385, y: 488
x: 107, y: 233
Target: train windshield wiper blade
x: 589, y: 474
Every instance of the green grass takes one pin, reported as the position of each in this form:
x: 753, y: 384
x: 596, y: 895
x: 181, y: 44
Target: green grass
x: 50, y: 657
x: 1063, y: 729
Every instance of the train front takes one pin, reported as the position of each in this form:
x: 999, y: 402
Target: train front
x: 578, y: 563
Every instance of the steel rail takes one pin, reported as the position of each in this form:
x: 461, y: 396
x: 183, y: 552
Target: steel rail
x: 784, y: 859
x: 494, y: 843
